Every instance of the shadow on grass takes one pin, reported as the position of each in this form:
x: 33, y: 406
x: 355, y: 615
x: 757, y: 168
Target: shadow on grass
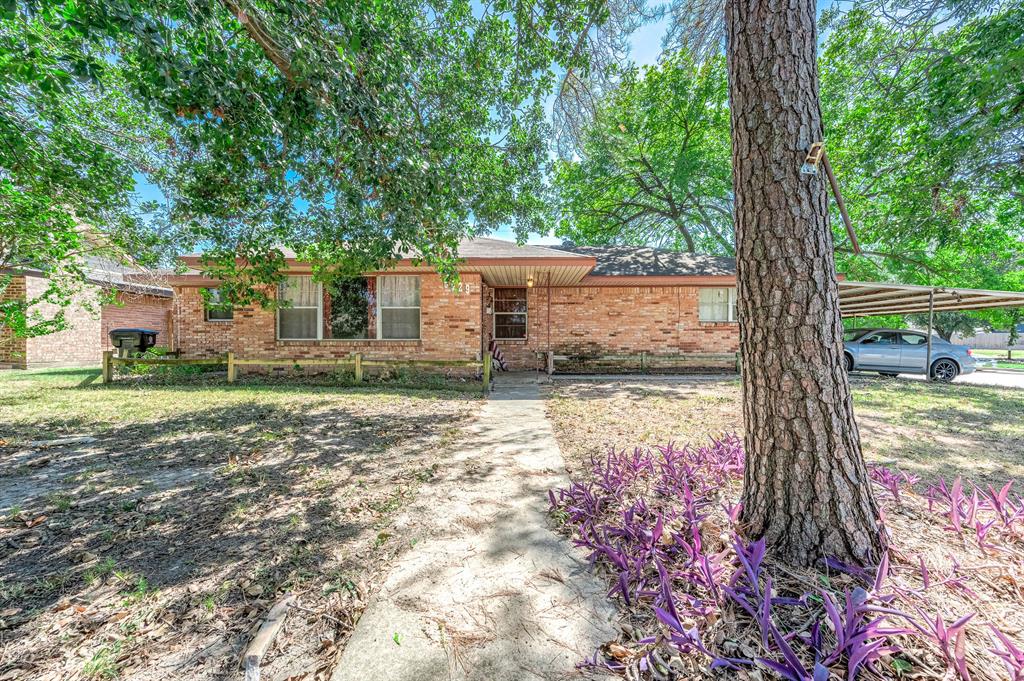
x: 224, y: 505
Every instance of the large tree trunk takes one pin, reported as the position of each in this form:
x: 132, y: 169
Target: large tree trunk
x: 806, y: 488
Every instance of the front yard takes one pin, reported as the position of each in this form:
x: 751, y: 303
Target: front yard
x: 664, y: 527
x: 153, y: 541
x: 930, y: 430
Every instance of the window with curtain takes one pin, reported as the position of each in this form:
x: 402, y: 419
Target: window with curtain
x: 216, y: 310
x: 717, y: 305
x: 509, y: 313
x: 300, y: 319
x: 399, y: 302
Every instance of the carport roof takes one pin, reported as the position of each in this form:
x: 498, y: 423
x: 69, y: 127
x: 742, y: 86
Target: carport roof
x: 867, y: 298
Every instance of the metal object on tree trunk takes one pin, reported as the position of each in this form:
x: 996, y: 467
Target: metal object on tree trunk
x: 815, y: 157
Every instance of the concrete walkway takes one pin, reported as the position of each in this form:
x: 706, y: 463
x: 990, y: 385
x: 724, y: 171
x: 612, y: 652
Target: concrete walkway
x: 488, y: 592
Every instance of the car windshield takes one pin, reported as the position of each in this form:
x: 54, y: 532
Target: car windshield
x: 853, y: 334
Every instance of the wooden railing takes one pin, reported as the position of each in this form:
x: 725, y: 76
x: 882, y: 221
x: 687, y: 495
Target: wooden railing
x: 355, y: 361
x: 646, y: 362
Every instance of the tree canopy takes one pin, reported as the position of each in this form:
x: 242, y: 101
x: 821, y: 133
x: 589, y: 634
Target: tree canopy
x: 923, y: 109
x: 923, y: 127
x: 654, y: 163
x: 350, y: 133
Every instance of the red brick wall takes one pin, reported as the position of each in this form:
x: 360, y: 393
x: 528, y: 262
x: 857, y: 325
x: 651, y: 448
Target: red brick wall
x: 83, y: 343
x: 449, y: 329
x: 79, y: 344
x: 137, y: 311
x: 12, y: 348
x: 658, y: 320
x: 192, y: 335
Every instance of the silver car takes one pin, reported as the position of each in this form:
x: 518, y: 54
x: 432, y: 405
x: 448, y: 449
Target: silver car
x: 891, y: 352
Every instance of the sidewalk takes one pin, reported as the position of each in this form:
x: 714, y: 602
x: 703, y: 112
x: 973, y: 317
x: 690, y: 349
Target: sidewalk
x: 489, y: 592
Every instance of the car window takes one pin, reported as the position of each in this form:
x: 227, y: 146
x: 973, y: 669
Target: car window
x: 853, y: 334
x: 913, y: 339
x: 880, y: 338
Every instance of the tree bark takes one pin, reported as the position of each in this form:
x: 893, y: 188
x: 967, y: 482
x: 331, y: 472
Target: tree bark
x: 806, y: 487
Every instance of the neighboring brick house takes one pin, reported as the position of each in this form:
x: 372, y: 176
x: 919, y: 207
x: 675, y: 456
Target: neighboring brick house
x: 137, y: 305
x: 531, y: 300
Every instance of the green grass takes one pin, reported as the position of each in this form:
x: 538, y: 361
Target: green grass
x: 53, y: 397
x: 1017, y: 361
x: 103, y: 664
x: 190, y: 487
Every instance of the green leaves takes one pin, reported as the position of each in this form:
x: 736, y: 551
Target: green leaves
x: 348, y: 133
x: 654, y: 166
x: 923, y: 120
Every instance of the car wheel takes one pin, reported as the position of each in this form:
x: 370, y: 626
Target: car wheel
x: 849, y: 363
x: 945, y: 370
x: 887, y: 374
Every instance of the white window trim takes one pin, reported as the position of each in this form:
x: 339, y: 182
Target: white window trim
x: 319, y: 307
x: 731, y: 315
x: 494, y: 316
x: 381, y: 308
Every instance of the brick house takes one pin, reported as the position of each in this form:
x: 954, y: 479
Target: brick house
x: 531, y: 300
x: 136, y: 304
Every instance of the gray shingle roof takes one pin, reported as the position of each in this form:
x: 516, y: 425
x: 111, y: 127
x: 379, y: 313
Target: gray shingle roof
x: 641, y: 261
x: 483, y: 247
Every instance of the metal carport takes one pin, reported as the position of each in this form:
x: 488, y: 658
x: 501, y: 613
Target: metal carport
x: 867, y: 298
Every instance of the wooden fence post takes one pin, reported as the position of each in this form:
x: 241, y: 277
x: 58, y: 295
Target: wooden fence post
x: 108, y: 367
x: 231, y: 367
x: 359, y: 367
x: 487, y: 373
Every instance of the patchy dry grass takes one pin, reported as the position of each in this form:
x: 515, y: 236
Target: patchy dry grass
x: 154, y: 549
x: 930, y: 430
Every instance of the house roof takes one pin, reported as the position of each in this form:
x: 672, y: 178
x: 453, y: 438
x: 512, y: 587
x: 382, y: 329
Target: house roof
x: 641, y: 261
x: 484, y: 247
x: 109, y: 273
x: 122, y: 276
x: 506, y: 263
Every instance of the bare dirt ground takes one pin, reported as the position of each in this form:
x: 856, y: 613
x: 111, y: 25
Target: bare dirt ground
x: 155, y: 545
x: 930, y: 430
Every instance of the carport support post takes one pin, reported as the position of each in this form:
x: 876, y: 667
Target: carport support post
x: 931, y: 321
x: 108, y: 365
x: 231, y: 367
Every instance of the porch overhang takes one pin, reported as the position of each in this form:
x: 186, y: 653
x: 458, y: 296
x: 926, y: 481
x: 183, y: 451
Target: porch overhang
x: 865, y: 299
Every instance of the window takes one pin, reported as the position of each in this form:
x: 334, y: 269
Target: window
x: 913, y: 339
x: 351, y: 309
x: 510, y: 313
x: 853, y: 334
x: 216, y: 310
x: 399, y: 316
x: 301, y: 319
x: 718, y: 304
x: 880, y: 338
